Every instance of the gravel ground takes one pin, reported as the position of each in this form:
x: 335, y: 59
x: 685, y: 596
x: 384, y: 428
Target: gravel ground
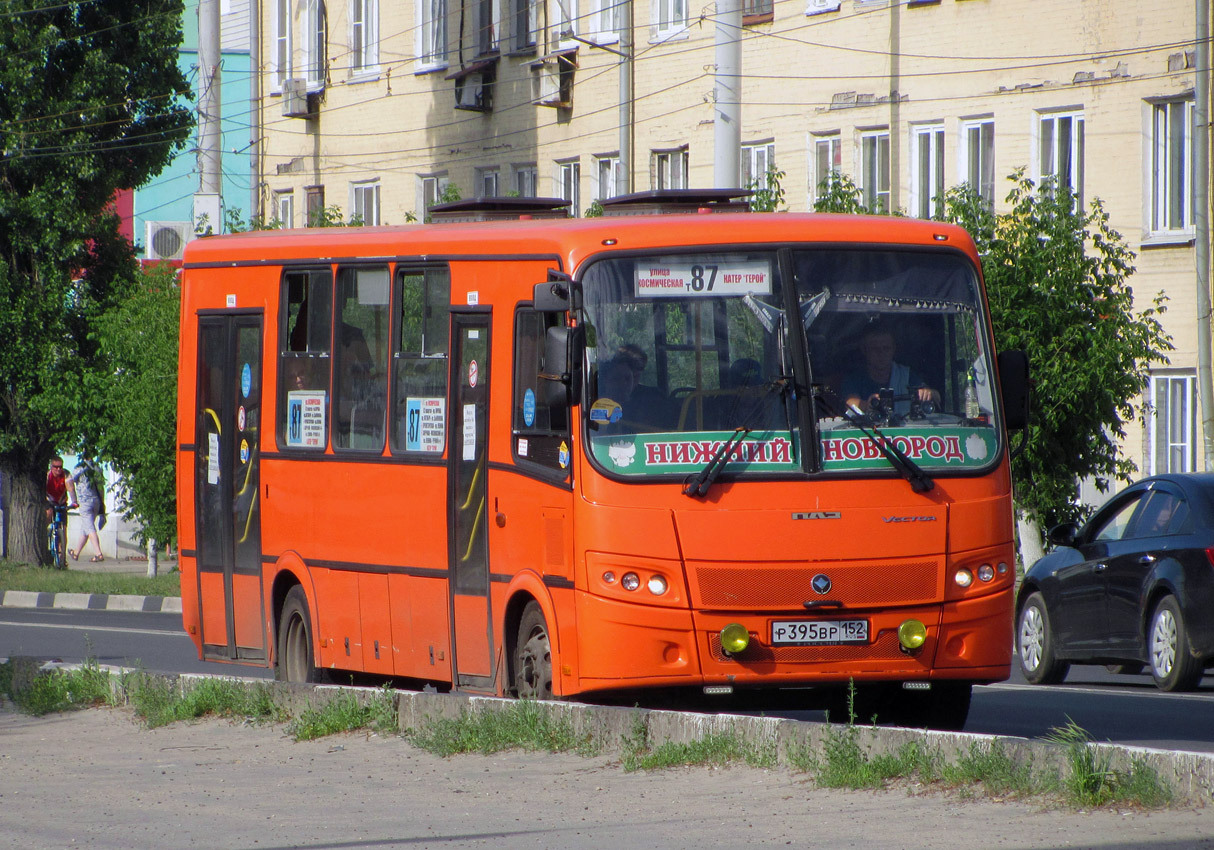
x: 97, y: 779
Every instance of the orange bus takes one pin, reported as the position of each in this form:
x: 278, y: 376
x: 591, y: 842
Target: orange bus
x: 713, y: 450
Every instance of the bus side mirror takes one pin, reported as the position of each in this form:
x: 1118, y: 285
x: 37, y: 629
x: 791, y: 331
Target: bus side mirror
x: 555, y: 295
x: 563, y: 351
x: 1014, y: 386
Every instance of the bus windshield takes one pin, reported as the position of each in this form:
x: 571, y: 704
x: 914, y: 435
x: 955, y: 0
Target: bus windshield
x: 688, y: 351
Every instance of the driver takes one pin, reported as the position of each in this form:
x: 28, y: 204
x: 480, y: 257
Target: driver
x: 880, y: 371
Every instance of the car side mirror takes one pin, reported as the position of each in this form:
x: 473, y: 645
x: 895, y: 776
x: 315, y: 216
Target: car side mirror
x: 1063, y: 535
x: 1014, y: 387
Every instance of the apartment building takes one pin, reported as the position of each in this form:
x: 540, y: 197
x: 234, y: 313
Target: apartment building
x: 377, y: 107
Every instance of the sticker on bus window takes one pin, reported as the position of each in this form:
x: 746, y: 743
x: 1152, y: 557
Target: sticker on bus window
x: 529, y: 407
x: 306, y: 419
x: 956, y: 447
x: 425, y: 425
x: 469, y: 432
x: 246, y: 380
x: 660, y: 454
x: 212, y: 458
x: 683, y: 279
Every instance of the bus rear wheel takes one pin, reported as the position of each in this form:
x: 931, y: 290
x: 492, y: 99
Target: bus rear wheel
x: 533, y: 656
x: 295, y: 660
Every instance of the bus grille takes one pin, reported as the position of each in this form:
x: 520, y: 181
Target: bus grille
x: 885, y: 648
x: 782, y: 588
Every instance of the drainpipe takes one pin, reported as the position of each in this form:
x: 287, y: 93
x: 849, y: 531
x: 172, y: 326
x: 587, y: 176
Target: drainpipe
x: 1201, y: 204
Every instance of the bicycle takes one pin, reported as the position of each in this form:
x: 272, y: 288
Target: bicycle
x: 57, y: 537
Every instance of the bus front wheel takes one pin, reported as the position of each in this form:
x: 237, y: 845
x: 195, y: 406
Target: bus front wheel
x: 295, y: 661
x: 533, y: 656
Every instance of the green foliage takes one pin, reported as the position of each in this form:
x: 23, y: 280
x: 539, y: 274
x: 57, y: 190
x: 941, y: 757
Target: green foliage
x: 595, y: 210
x: 1058, y: 285
x: 159, y: 701
x: 522, y: 725
x: 92, y: 102
x: 768, y: 192
x: 991, y: 767
x: 717, y: 748
x: 838, y: 193
x: 1090, y: 781
x: 62, y: 690
x: 134, y: 399
x: 343, y: 713
x: 234, y: 222
x: 47, y: 580
x: 330, y: 216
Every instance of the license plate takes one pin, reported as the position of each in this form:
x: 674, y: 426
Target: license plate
x: 803, y: 632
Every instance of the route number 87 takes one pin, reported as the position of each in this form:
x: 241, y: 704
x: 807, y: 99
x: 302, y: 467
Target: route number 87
x: 698, y: 282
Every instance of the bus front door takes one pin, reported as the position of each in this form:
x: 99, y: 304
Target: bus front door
x: 226, y: 486
x: 468, y: 502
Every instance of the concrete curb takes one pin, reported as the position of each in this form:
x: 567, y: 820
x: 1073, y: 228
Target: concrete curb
x: 1190, y: 775
x: 90, y: 601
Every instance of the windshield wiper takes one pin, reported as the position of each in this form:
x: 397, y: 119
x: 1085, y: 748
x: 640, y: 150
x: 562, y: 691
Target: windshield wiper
x: 919, y: 480
x: 697, y: 486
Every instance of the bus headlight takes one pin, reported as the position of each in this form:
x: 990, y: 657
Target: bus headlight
x: 734, y: 638
x: 630, y: 581
x: 657, y: 585
x: 986, y: 572
x: 912, y: 634
x: 963, y: 577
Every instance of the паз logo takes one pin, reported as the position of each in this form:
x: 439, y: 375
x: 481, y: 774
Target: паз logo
x: 817, y: 515
x: 820, y: 583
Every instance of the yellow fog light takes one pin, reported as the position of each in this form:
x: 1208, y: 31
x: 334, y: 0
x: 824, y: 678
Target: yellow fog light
x: 734, y: 638
x: 912, y: 634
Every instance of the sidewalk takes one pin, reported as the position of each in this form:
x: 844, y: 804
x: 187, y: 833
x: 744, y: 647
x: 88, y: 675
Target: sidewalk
x: 100, y: 601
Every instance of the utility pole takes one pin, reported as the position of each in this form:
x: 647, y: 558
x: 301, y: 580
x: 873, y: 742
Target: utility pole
x: 207, y: 198
x: 1201, y: 206
x: 895, y: 107
x: 727, y: 105
x: 624, y: 178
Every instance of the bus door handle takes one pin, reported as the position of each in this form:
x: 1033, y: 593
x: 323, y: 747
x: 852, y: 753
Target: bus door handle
x: 823, y: 603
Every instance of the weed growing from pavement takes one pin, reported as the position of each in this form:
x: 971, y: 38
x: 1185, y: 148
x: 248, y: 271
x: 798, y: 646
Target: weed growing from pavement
x: 1091, y: 781
x: 346, y: 713
x: 989, y: 766
x: 715, y: 748
x: 523, y: 724
x: 59, y: 689
x: 158, y: 701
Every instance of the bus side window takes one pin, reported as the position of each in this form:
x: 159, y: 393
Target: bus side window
x: 361, y: 342
x: 419, y: 361
x: 306, y: 321
x: 541, y: 433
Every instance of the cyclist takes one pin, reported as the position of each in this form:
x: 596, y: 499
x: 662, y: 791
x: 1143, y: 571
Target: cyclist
x: 58, y: 487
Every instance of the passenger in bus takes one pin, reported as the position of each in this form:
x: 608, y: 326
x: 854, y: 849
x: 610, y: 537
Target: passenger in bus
x: 880, y: 371
x: 650, y: 399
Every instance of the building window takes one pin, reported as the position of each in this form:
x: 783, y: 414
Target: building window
x: 757, y: 163
x: 978, y: 157
x: 606, y: 174
x: 669, y: 169
x: 432, y: 34
x: 565, y: 16
x: 927, y: 170
x: 568, y: 182
x: 1060, y: 147
x: 826, y: 166
x: 282, y: 42
x: 284, y: 207
x: 314, y: 44
x: 670, y: 19
x: 489, y: 25
x: 874, y: 170
x: 487, y: 182
x: 1173, y: 423
x: 364, y: 35
x: 430, y: 192
x: 525, y: 178
x: 364, y: 202
x: 604, y: 21
x: 1171, y: 172
x: 526, y: 24
x: 757, y: 11
x: 314, y: 205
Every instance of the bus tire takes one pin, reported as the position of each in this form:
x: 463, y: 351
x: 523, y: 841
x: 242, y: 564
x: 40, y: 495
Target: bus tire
x: 533, y: 656
x: 295, y: 661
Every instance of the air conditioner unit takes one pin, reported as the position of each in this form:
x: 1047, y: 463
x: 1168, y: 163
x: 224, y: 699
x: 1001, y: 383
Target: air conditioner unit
x: 552, y: 79
x: 295, y: 100
x: 166, y: 239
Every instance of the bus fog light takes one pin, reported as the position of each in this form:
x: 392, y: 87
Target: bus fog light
x: 986, y: 572
x: 657, y: 585
x: 609, y: 577
x: 963, y: 577
x: 912, y: 634
x: 734, y: 638
x: 1002, y: 568
x: 630, y: 581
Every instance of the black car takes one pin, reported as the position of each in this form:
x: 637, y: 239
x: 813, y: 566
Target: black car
x: 1133, y: 587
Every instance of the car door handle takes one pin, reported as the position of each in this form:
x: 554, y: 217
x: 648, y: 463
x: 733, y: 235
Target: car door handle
x: 1146, y: 559
x: 1099, y: 568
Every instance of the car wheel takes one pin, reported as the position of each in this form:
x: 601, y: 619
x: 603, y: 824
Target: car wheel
x: 1172, y: 664
x: 1035, y: 644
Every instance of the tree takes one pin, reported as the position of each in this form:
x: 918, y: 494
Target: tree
x: 135, y: 397
x: 91, y: 102
x: 1057, y: 280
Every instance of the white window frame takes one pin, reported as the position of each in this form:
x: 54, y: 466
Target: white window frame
x: 606, y: 176
x: 364, y: 201
x: 757, y: 160
x: 1061, y: 155
x: 825, y: 161
x: 564, y: 17
x: 525, y: 24
x: 430, y: 188
x: 488, y: 25
x: 364, y: 37
x: 1171, y: 167
x: 671, y: 18
x: 284, y: 207
x: 431, y: 40
x: 603, y: 23
x: 282, y: 61
x: 314, y: 43
x: 488, y: 182
x: 873, y: 156
x: 568, y: 178
x: 1172, y: 432
x: 927, y: 169
x: 669, y: 169
x: 526, y: 180
x: 976, y: 162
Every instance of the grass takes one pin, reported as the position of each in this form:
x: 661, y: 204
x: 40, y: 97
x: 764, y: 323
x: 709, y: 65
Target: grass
x: 14, y: 576
x: 838, y: 760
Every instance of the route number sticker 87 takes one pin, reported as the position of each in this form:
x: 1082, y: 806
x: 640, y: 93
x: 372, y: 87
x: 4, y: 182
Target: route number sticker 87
x: 684, y: 279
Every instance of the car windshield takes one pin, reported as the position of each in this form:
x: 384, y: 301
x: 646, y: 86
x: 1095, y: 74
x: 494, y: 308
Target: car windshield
x: 686, y: 350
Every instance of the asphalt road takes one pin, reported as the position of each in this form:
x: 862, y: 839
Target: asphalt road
x: 1122, y: 709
